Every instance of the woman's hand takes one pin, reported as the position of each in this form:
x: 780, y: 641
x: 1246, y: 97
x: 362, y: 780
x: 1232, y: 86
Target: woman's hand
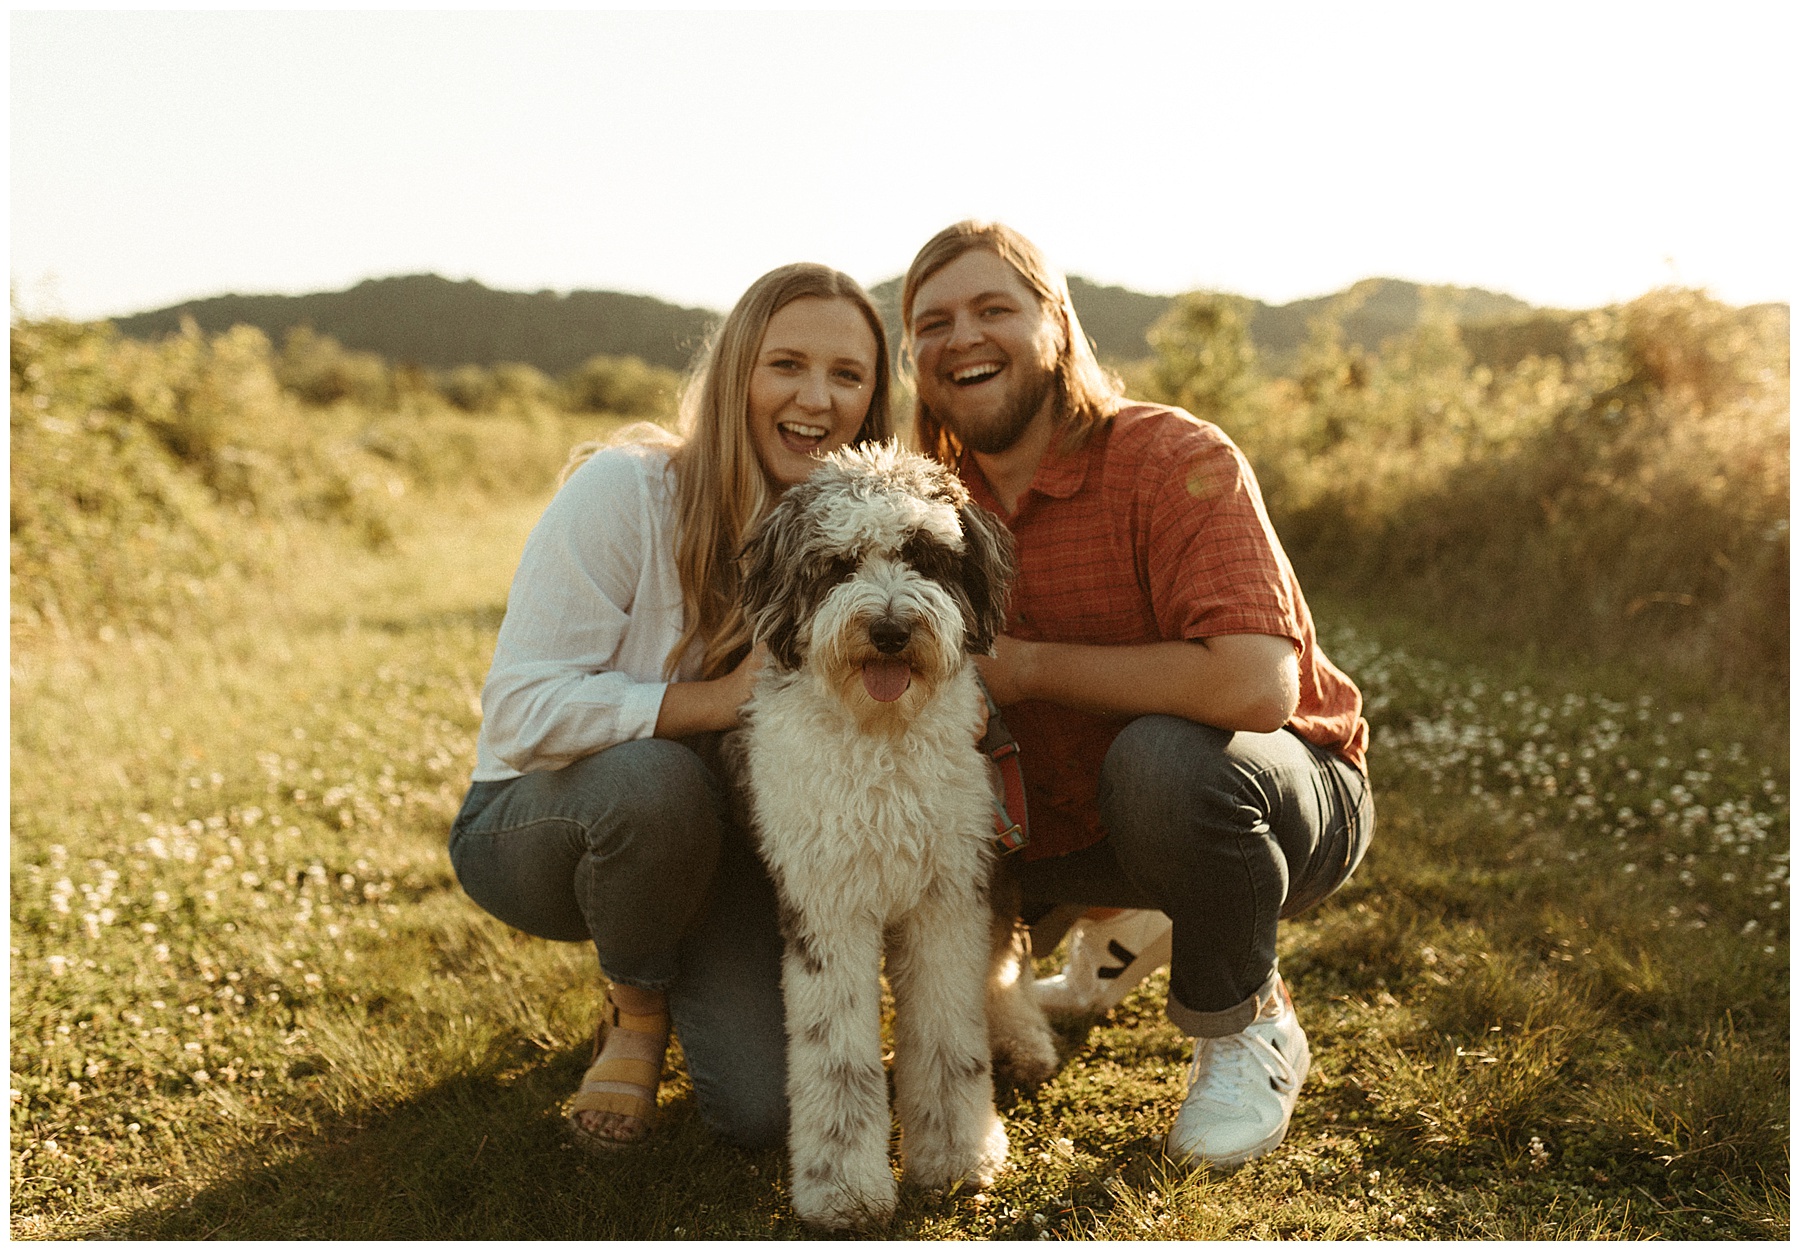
x: 710, y: 704
x: 741, y: 681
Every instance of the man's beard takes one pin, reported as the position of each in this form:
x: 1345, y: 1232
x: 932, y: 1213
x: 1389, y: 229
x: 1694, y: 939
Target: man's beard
x: 998, y: 434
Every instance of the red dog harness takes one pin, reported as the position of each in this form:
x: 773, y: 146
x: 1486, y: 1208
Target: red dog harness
x: 1011, y: 828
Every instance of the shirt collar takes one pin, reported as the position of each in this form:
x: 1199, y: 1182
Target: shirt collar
x: 1059, y: 474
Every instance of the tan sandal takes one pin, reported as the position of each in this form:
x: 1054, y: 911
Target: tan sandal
x: 601, y: 1084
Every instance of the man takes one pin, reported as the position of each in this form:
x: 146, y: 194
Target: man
x: 1186, y: 746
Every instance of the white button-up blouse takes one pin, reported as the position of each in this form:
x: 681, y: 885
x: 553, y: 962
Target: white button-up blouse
x: 594, y: 611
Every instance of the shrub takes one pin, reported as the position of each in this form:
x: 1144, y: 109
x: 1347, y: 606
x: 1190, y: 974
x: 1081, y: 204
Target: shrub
x: 523, y: 386
x: 318, y: 370
x: 105, y: 522
x: 469, y: 387
x: 1626, y: 492
x: 622, y: 385
x: 143, y: 471
x: 1204, y: 359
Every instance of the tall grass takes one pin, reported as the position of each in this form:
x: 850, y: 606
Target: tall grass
x: 1611, y: 483
x: 146, y: 476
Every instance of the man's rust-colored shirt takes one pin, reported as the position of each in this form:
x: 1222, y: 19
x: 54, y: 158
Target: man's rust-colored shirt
x: 1152, y: 530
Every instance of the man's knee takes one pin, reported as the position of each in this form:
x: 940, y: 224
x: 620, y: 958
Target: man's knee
x: 1165, y: 775
x: 1156, y: 752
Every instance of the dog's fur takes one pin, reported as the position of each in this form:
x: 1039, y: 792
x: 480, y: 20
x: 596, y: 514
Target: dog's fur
x: 875, y: 820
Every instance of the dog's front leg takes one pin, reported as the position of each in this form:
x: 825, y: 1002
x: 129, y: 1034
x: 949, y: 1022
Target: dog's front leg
x: 837, y: 1090
x: 943, y: 1081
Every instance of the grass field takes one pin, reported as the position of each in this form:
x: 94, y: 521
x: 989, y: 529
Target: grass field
x: 249, y: 1001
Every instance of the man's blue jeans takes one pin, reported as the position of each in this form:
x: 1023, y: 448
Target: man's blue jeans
x: 633, y: 849
x: 1225, y: 832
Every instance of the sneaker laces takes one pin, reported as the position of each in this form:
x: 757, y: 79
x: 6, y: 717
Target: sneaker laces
x: 1241, y: 1063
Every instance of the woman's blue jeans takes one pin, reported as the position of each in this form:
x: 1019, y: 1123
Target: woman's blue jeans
x: 633, y: 849
x: 1225, y: 832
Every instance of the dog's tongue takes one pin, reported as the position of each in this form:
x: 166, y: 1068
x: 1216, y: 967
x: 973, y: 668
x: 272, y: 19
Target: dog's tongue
x: 886, y: 680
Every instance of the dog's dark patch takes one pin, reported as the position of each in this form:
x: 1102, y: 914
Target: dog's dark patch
x: 988, y: 569
x: 931, y: 559
x: 842, y: 1135
x: 867, y: 1081
x: 968, y: 1067
x: 787, y: 917
x: 801, y: 948
x: 857, y: 1126
x: 927, y: 1118
x: 830, y: 569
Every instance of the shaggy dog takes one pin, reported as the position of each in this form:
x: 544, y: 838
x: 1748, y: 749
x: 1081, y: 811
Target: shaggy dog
x: 872, y: 583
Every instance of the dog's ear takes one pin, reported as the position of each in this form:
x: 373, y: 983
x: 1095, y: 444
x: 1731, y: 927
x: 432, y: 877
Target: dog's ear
x: 987, y: 574
x: 771, y: 589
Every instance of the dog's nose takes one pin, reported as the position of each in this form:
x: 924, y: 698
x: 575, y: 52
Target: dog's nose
x: 889, y: 636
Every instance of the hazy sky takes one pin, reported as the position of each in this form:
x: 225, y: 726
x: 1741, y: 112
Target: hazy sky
x: 1570, y: 153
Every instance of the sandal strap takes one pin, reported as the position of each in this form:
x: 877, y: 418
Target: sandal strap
x: 652, y: 1023
x: 640, y: 1077
x: 646, y: 1073
x: 612, y: 1101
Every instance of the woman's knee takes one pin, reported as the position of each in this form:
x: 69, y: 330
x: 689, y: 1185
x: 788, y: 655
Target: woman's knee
x: 651, y: 771
x: 736, y: 1049
x: 651, y: 793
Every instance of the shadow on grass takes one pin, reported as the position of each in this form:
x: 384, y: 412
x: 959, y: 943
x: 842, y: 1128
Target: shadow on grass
x: 480, y: 1156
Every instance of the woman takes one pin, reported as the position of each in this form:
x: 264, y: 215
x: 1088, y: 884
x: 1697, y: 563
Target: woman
x: 596, y: 810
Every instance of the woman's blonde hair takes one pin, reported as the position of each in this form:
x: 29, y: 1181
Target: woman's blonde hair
x: 720, y: 487
x: 1087, y: 393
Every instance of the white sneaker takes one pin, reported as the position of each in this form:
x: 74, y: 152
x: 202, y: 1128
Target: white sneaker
x: 1242, y: 1088
x: 1106, y: 959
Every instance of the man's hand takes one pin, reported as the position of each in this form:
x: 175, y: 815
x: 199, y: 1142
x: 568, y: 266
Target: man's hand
x: 1001, y: 671
x: 1234, y: 681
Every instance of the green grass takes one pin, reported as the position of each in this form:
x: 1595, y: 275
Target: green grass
x: 249, y: 1001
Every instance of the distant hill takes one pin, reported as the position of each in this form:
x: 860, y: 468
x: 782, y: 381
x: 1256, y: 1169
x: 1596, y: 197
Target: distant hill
x: 431, y: 321
x: 1373, y: 310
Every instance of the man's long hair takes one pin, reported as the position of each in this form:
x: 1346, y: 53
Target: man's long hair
x: 1087, y: 393
x: 720, y: 487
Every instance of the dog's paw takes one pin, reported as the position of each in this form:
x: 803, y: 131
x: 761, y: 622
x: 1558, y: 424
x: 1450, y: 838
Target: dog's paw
x: 1026, y: 1060
x: 830, y: 1200
x: 965, y: 1170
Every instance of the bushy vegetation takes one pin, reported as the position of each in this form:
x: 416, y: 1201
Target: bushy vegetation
x: 319, y: 371
x: 1617, y: 483
x: 142, y: 473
